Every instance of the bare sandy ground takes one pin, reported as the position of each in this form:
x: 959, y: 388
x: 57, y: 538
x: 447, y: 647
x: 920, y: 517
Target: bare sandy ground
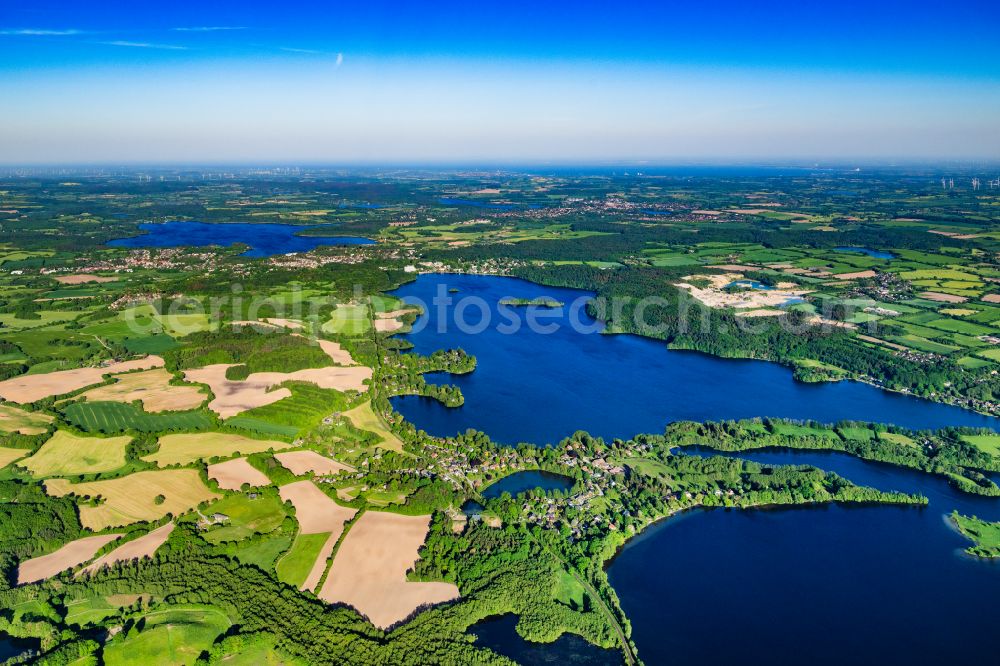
x: 80, y: 278
x: 72, y: 554
x: 715, y: 296
x: 388, y: 322
x: 337, y: 354
x: 835, y: 323
x: 369, y: 572
x: 319, y: 566
x: 153, y: 388
x: 300, y: 462
x: 233, y: 397
x: 315, y: 512
x: 136, y: 549
x: 858, y: 275
x: 31, y: 388
x: 387, y: 325
x: 991, y: 298
x: 232, y: 474
x: 942, y: 298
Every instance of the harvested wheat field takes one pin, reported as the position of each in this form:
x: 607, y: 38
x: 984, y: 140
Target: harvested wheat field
x: 82, y: 278
x: 857, y: 275
x: 364, y: 418
x: 65, y: 453
x: 314, y: 510
x: 184, y: 448
x: 31, y: 388
x: 232, y: 474
x: 939, y: 297
x: 234, y: 397
x: 369, y: 571
x: 153, y: 388
x: 301, y: 462
x: 72, y: 554
x: 132, y: 498
x: 136, y: 549
x: 13, y: 419
x: 7, y: 456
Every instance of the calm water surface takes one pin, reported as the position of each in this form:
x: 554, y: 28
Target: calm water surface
x: 521, y: 482
x: 876, y: 254
x: 499, y: 634
x: 541, y: 387
x: 264, y: 239
x: 817, y: 585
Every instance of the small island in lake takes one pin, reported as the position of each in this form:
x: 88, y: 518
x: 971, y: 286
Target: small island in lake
x: 541, y: 302
x: 984, y: 535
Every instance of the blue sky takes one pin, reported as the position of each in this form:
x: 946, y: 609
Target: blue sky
x: 498, y: 82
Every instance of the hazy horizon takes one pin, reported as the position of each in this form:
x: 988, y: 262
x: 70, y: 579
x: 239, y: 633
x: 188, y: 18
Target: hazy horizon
x: 375, y: 83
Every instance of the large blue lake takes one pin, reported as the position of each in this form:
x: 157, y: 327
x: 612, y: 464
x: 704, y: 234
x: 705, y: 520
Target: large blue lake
x: 819, y: 585
x: 533, y: 386
x: 264, y: 240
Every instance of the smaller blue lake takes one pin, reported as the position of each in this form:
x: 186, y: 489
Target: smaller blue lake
x: 657, y: 212
x: 836, y: 583
x: 11, y: 647
x: 875, y: 254
x: 264, y: 240
x: 448, y: 201
x: 522, y: 482
x: 500, y: 635
x: 750, y: 284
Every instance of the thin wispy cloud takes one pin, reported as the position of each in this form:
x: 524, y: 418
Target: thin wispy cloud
x: 339, y: 57
x: 41, y: 32
x: 210, y: 28
x: 145, y: 45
